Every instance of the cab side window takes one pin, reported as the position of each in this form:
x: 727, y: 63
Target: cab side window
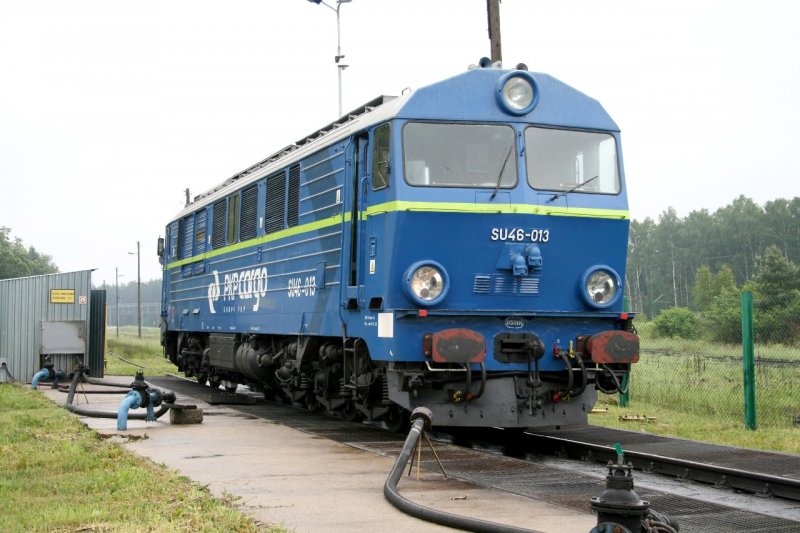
x: 380, y: 157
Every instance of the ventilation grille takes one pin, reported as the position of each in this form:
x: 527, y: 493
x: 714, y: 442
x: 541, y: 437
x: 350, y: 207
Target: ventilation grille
x: 200, y: 232
x: 218, y: 225
x: 249, y: 224
x: 294, y: 195
x: 187, y: 237
x: 504, y: 284
x: 276, y: 202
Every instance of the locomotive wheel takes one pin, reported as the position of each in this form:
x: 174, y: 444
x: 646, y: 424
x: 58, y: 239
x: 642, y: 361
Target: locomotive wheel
x: 231, y: 388
x: 202, y: 378
x: 397, y: 420
x: 214, y: 383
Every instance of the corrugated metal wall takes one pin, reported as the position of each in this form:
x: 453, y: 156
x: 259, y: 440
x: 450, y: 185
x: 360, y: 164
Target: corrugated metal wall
x: 25, y: 304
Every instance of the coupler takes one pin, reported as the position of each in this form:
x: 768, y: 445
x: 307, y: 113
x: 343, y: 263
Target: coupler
x: 141, y: 395
x: 48, y: 373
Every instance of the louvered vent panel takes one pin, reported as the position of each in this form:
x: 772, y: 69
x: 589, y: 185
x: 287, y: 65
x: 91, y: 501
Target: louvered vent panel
x: 294, y: 195
x: 218, y: 225
x: 247, y: 229
x: 173, y: 241
x: 276, y: 202
x: 505, y: 284
x: 200, y: 232
x: 187, y: 237
x: 483, y: 284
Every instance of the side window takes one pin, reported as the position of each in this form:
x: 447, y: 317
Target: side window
x: 233, y: 218
x: 249, y: 223
x: 218, y: 224
x: 380, y: 157
x: 276, y: 202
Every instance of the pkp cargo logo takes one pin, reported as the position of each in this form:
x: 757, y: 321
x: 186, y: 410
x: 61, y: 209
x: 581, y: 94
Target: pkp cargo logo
x: 246, y: 284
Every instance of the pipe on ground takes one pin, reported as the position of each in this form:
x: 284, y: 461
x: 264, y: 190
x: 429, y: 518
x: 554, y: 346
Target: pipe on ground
x: 421, y: 420
x: 37, y: 377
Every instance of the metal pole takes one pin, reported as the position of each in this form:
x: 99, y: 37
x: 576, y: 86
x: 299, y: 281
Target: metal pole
x: 139, y: 288
x: 339, y: 54
x: 748, y: 361
x: 116, y: 275
x: 493, y: 11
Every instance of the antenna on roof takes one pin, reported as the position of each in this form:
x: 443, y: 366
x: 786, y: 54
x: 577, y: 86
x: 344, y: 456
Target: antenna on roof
x: 187, y: 198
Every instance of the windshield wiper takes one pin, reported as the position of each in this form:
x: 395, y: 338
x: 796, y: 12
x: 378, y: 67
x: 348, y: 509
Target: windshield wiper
x: 502, y: 169
x: 575, y: 188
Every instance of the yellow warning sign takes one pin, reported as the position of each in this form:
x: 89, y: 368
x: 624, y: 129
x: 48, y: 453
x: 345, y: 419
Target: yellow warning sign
x: 62, y: 296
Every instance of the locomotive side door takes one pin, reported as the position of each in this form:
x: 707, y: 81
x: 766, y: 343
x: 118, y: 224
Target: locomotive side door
x: 358, y: 186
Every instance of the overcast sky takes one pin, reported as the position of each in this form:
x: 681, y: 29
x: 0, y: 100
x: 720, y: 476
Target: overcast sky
x: 109, y: 110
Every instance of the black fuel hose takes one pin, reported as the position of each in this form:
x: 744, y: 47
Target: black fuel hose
x: 76, y: 377
x: 421, y: 419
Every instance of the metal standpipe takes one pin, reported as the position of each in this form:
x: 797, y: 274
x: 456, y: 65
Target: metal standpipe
x: 619, y: 509
x: 154, y: 398
x: 140, y: 396
x: 47, y: 372
x: 421, y: 421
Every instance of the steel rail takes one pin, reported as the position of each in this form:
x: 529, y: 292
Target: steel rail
x: 721, y: 476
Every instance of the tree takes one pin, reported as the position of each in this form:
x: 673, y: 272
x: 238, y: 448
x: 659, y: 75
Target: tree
x: 16, y: 261
x: 703, y: 292
x: 775, y: 275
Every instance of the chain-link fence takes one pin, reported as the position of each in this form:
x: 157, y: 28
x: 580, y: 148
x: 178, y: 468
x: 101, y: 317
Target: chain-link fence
x: 128, y: 316
x: 692, y: 362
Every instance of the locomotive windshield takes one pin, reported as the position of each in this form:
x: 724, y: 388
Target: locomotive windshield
x: 564, y: 160
x: 459, y: 155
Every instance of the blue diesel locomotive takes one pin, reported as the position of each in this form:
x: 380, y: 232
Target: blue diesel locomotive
x: 461, y: 247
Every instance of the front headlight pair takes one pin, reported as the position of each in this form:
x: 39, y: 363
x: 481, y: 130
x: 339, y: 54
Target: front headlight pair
x: 427, y: 283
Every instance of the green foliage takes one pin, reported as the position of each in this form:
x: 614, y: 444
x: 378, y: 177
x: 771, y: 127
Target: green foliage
x: 16, y: 261
x: 776, y: 275
x: 722, y: 322
x: 665, y: 257
x: 676, y: 322
x: 703, y: 288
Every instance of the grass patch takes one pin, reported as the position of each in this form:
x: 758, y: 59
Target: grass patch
x: 672, y: 422
x: 127, y: 353
x: 57, y: 475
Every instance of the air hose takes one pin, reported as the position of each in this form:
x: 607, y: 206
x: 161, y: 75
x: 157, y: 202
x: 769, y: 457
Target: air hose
x: 420, y: 421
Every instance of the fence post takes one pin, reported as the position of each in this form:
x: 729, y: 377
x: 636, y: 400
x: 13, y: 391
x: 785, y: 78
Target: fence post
x: 625, y: 397
x: 748, y: 361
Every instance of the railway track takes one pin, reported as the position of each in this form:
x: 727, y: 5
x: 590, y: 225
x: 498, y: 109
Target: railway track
x: 757, y: 483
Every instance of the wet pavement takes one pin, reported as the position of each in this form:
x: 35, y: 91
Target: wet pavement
x: 309, y: 483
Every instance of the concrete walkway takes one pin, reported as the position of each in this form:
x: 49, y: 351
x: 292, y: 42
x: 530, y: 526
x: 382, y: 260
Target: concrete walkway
x: 308, y: 483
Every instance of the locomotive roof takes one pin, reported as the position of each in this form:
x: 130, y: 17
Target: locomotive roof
x: 468, y: 96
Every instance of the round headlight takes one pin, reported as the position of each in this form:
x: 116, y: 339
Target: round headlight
x: 600, y: 286
x: 426, y: 282
x: 517, y: 92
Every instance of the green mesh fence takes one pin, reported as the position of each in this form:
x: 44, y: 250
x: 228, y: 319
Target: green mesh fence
x: 692, y: 362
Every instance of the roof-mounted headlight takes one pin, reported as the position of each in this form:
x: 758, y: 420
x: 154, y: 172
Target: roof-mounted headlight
x: 426, y: 282
x: 517, y: 92
x: 600, y: 286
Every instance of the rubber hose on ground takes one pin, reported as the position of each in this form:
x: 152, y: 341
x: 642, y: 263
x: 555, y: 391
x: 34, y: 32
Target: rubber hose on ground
x: 426, y: 513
